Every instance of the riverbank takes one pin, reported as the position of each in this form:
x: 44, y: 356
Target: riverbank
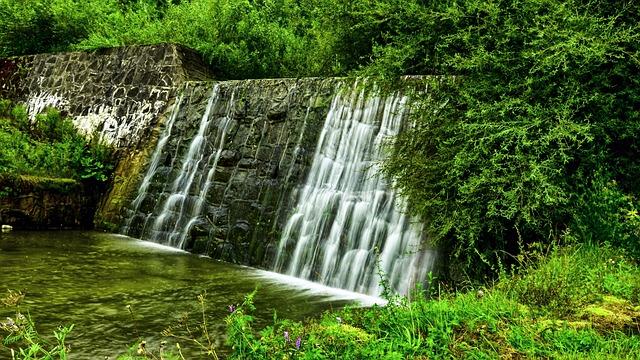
x: 51, y: 176
x: 32, y: 202
x: 573, y: 302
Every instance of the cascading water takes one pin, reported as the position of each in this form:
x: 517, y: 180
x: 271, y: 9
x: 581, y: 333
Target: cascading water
x: 172, y: 218
x: 349, y: 226
x: 225, y: 165
x: 153, y: 164
x: 180, y: 210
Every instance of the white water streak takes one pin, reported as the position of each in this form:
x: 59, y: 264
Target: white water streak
x: 346, y: 212
x: 153, y: 164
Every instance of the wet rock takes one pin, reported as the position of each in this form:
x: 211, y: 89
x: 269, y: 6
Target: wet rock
x: 247, y: 163
x: 47, y: 204
x: 229, y: 158
x: 242, y: 226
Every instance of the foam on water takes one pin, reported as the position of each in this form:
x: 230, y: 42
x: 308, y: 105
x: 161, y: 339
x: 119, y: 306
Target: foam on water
x: 316, y: 289
x: 150, y: 245
x: 349, y: 225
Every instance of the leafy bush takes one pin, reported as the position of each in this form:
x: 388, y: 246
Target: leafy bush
x: 239, y: 38
x: 34, y: 26
x: 504, y: 155
x: 564, y: 281
x: 607, y: 214
x: 50, y: 146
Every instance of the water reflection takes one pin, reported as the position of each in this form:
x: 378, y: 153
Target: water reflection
x: 88, y: 279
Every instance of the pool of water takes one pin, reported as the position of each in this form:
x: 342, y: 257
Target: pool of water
x: 90, y: 279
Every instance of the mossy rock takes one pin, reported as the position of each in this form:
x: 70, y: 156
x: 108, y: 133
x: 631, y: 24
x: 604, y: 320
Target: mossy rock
x: 342, y: 334
x: 106, y: 226
x: 612, y: 313
x: 563, y: 324
x: 21, y: 184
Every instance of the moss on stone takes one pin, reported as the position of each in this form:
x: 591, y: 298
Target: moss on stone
x: 342, y: 334
x: 612, y: 313
x: 27, y: 183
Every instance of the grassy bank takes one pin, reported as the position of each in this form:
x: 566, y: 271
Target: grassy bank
x: 574, y: 302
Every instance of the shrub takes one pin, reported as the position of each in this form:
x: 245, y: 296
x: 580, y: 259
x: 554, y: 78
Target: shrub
x: 540, y: 312
x: 503, y: 156
x: 35, y: 26
x: 564, y: 281
x: 607, y: 214
x: 50, y: 146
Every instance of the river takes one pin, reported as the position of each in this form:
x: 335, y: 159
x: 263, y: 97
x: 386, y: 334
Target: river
x: 92, y: 279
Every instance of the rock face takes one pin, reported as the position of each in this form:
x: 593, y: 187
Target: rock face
x: 46, y: 203
x: 223, y: 182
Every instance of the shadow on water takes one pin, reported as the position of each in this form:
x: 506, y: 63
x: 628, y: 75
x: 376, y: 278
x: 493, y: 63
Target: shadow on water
x: 89, y: 278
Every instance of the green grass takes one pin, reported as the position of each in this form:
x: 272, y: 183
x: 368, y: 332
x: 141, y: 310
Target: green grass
x: 576, y: 302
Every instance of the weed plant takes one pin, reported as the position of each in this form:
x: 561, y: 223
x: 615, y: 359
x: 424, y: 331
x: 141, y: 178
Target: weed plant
x: 20, y: 338
x: 47, y: 147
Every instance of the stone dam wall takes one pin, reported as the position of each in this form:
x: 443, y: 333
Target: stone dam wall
x: 117, y: 94
x: 269, y: 142
x: 127, y: 95
x: 214, y: 167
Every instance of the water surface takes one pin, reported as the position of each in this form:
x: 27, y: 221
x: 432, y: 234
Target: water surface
x: 89, y: 279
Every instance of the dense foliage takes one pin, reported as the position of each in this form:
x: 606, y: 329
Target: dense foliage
x: 239, y: 38
x: 49, y: 146
x: 538, y: 135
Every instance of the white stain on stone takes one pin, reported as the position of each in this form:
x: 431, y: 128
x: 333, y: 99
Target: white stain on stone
x: 103, y: 122
x: 39, y: 102
x: 120, y: 126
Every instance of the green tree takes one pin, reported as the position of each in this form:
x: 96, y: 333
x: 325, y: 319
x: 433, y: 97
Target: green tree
x: 544, y: 108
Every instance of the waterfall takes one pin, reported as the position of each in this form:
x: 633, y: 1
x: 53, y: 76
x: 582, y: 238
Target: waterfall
x: 349, y: 226
x: 181, y: 209
x: 227, y: 177
x: 183, y: 197
x: 153, y: 165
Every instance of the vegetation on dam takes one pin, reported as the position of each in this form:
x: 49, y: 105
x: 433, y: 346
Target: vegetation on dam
x: 48, y: 146
x: 523, y: 158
